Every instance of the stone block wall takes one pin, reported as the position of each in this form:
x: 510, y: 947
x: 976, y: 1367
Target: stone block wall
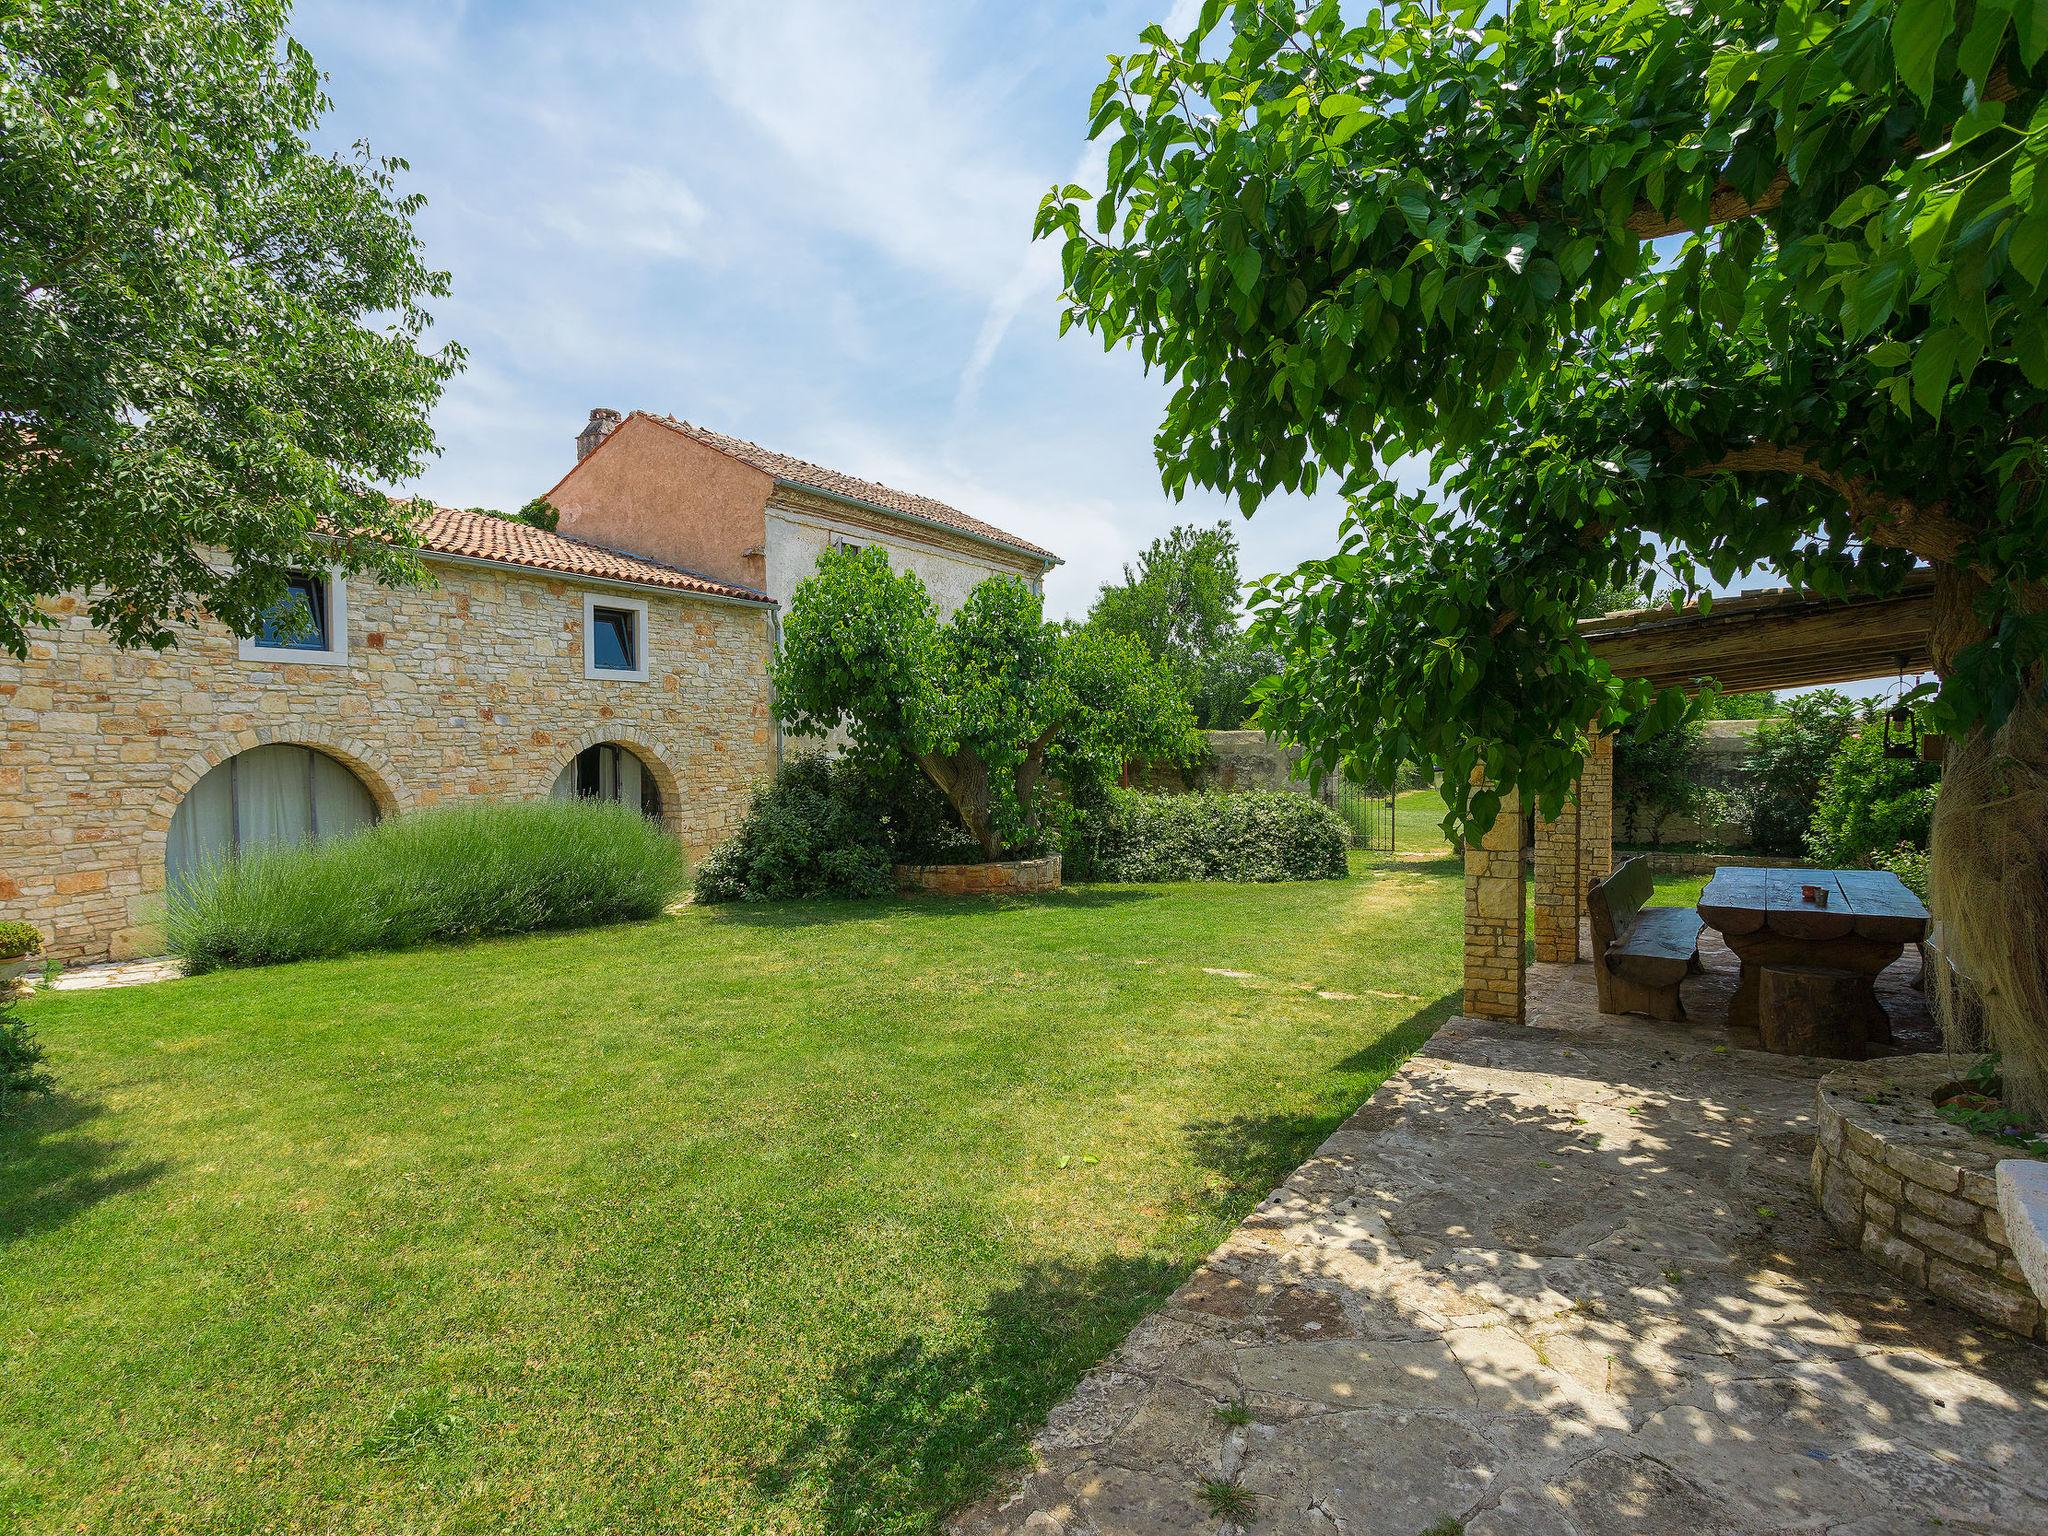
x: 1012, y: 877
x: 473, y: 687
x: 1918, y: 1195
x: 1496, y: 924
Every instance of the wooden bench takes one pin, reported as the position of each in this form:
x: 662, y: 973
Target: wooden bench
x: 1640, y: 953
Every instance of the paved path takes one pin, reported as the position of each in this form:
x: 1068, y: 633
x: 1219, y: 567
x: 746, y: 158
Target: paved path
x: 1562, y: 1280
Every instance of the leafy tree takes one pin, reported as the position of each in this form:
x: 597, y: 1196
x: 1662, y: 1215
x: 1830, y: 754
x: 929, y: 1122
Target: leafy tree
x: 1715, y: 705
x: 1709, y: 287
x: 1786, y: 763
x: 1182, y: 602
x: 210, y: 334
x: 1869, y: 805
x: 1657, y: 772
x: 990, y: 705
x: 538, y: 513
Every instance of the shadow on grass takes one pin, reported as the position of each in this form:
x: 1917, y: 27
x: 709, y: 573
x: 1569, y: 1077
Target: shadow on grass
x: 50, y: 1171
x: 1250, y: 1155
x: 915, y: 1431
x: 812, y: 913
x: 909, y: 1434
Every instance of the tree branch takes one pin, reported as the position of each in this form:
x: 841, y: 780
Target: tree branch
x: 1932, y: 533
x: 1726, y: 204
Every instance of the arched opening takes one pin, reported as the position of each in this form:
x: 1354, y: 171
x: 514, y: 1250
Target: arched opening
x: 273, y: 794
x: 609, y: 771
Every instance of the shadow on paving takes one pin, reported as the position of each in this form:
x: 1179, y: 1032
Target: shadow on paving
x: 1565, y: 1281
x: 50, y: 1171
x: 914, y: 1432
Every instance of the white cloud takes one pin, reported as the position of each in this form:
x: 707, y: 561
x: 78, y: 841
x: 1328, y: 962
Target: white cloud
x: 631, y: 210
x: 875, y: 130
x: 1037, y: 275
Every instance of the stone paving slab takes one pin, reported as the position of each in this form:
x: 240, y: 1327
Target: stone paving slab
x: 1562, y: 1278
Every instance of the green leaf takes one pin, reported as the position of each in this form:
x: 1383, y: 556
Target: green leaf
x: 1919, y: 28
x: 2030, y: 24
x: 1933, y: 365
x: 1245, y: 267
x: 1342, y: 104
x: 2028, y: 248
x: 1860, y: 205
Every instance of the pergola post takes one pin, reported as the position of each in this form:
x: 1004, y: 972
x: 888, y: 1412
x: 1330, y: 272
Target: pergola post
x: 1495, y: 923
x: 1560, y: 896
x: 1596, y: 812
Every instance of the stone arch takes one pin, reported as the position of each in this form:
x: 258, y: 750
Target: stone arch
x: 361, y: 759
x: 652, y: 759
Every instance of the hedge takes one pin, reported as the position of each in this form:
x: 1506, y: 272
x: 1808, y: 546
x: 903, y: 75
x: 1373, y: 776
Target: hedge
x: 1258, y: 835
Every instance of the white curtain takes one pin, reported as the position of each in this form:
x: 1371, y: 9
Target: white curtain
x: 273, y: 797
x: 341, y: 801
x: 202, y: 829
x: 277, y: 794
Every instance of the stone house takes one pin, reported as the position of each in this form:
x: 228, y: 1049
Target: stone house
x: 625, y: 657
x: 745, y: 514
x: 534, y: 665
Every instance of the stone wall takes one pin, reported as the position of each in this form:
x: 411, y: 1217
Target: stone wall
x: 1496, y: 919
x: 1012, y: 877
x: 1237, y: 760
x: 474, y: 687
x: 1916, y: 1193
x: 801, y: 528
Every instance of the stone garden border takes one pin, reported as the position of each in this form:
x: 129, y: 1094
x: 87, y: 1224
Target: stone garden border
x: 1018, y: 877
x: 1918, y: 1194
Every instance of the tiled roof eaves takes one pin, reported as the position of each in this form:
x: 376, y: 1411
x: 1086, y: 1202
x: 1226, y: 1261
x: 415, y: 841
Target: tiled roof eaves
x: 1011, y: 546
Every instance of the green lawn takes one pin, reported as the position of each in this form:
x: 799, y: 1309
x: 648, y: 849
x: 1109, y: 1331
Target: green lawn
x: 765, y: 1220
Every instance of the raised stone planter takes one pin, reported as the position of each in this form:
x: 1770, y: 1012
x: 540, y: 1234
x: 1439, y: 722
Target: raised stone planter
x: 1918, y: 1194
x: 1018, y: 877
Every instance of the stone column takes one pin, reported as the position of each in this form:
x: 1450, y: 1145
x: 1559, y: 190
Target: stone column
x: 1495, y: 923
x: 1596, y: 812
x: 1560, y: 894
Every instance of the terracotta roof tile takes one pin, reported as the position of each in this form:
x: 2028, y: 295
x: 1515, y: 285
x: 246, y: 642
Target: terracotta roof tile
x: 478, y: 536
x: 803, y: 474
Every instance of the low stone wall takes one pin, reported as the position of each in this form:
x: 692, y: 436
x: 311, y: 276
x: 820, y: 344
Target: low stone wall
x: 1019, y: 877
x: 1665, y: 863
x: 1916, y: 1193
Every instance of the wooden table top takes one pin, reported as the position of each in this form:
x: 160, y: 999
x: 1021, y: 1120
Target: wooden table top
x: 1862, y: 903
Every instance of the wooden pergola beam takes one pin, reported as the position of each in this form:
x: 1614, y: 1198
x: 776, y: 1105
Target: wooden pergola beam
x: 1772, y: 639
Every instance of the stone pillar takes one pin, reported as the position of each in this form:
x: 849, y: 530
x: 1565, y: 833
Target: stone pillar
x: 1560, y: 894
x: 1596, y: 812
x: 1495, y: 923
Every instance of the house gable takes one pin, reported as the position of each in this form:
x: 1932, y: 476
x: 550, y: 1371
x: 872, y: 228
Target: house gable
x: 660, y: 494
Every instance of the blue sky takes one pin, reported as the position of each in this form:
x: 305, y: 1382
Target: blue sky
x: 806, y: 223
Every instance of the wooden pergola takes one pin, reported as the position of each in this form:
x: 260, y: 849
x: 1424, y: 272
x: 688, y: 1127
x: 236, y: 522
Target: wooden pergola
x: 1758, y: 640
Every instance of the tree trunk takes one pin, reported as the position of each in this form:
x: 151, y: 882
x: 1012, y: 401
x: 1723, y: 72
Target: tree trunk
x: 1988, y: 867
x: 963, y: 779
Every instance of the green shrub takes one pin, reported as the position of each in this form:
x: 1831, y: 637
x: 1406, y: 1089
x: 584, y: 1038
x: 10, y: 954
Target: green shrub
x: 827, y: 828
x: 1870, y: 804
x: 18, y: 939
x: 1910, y: 865
x: 1788, y: 758
x: 1261, y: 835
x: 461, y: 873
x: 21, y: 1057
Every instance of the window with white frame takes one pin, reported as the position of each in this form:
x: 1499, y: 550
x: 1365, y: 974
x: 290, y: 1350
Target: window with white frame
x: 309, y: 624
x: 615, y: 638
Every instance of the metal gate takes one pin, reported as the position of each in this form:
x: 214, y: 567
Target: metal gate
x: 1369, y: 813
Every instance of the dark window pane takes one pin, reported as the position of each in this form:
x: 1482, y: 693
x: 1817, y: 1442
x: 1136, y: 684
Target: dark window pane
x: 612, y: 646
x: 307, y: 596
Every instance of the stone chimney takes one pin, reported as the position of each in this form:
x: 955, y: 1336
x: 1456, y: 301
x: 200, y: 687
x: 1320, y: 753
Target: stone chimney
x: 600, y: 426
